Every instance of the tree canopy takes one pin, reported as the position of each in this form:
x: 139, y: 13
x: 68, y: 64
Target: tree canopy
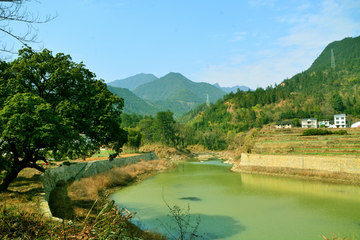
x: 52, y: 107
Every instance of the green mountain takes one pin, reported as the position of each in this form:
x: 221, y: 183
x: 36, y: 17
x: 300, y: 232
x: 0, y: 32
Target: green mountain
x: 132, y: 82
x: 180, y: 102
x: 319, y: 92
x: 346, y: 52
x: 134, y: 104
x: 165, y: 87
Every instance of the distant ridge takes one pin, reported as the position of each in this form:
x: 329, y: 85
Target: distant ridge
x: 233, y: 89
x: 133, y: 82
x: 164, y: 87
x: 176, y: 93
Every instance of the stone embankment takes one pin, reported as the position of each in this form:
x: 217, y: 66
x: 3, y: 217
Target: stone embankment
x: 320, y: 163
x: 79, y: 170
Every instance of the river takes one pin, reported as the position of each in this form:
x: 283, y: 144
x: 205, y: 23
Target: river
x: 244, y: 206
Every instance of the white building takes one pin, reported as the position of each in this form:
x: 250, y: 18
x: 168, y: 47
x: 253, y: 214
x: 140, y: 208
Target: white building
x: 309, y: 123
x: 326, y: 123
x: 340, y: 120
x: 355, y: 125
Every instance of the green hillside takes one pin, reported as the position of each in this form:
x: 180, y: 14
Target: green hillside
x: 319, y: 92
x: 164, y: 87
x: 346, y: 53
x: 132, y: 82
x: 134, y: 104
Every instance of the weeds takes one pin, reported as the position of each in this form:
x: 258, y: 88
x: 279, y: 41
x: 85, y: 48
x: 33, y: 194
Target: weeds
x: 181, y: 218
x: 110, y: 223
x: 119, y: 176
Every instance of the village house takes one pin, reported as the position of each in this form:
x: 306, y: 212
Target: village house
x: 325, y: 123
x: 309, y: 123
x: 355, y: 125
x: 340, y: 120
x: 283, y: 124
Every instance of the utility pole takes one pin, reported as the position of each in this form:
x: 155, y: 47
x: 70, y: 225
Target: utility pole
x: 332, y: 59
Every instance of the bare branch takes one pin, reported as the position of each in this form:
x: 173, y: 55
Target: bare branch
x: 14, y: 11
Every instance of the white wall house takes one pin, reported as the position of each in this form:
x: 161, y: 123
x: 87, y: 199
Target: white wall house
x: 283, y: 124
x: 309, y: 123
x: 340, y: 120
x: 355, y: 125
x: 326, y: 123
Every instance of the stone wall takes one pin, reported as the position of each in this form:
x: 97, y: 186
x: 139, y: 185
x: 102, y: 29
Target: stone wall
x: 322, y: 163
x: 77, y: 171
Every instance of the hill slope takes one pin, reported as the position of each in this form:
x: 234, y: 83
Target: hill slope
x: 132, y: 82
x: 134, y: 104
x: 319, y: 92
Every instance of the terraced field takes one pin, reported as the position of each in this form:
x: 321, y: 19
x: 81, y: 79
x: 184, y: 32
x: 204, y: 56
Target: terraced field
x: 290, y: 141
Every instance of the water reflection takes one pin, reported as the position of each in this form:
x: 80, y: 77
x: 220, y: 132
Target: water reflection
x: 245, y: 206
x: 210, y: 227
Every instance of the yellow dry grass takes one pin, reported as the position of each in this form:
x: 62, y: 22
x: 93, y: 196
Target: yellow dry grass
x: 88, y: 188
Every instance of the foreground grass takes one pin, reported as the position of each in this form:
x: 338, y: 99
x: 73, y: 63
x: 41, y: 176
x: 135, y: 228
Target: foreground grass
x: 74, y: 200
x: 19, y: 217
x: 109, y: 223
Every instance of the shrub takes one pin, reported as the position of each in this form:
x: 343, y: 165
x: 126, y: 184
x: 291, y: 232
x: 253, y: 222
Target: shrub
x: 318, y: 131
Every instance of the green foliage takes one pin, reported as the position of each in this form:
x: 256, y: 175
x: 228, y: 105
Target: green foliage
x: 53, y: 107
x: 296, y: 122
x: 336, y: 102
x: 132, y: 103
x: 318, y: 131
x: 134, y: 138
x: 164, y: 128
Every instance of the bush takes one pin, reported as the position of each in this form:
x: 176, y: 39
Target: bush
x: 318, y: 131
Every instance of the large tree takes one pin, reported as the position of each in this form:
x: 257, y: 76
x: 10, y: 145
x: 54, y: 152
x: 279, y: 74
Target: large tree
x: 164, y: 124
x: 52, y: 107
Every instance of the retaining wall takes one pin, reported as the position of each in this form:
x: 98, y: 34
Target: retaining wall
x: 79, y: 170
x: 322, y: 163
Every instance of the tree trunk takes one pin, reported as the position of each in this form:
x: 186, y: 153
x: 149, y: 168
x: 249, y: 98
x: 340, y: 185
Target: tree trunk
x: 9, y: 178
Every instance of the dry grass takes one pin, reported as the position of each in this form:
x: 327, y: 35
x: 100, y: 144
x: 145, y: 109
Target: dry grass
x: 89, y: 188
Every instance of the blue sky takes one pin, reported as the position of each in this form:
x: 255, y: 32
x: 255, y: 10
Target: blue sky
x: 255, y: 43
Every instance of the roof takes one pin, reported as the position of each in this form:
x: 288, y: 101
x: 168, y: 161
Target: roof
x: 312, y: 119
x: 283, y: 122
x: 340, y: 115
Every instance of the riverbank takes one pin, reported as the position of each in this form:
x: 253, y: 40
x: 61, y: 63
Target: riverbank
x: 286, y: 172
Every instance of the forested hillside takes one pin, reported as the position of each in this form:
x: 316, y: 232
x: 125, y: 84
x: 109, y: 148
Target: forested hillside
x: 165, y: 87
x: 134, y: 104
x: 319, y: 92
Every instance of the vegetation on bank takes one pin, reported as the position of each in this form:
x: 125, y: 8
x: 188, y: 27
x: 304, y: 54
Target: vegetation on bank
x: 320, y: 131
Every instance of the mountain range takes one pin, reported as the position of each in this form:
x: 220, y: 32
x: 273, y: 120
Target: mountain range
x: 172, y: 92
x: 233, y: 89
x: 132, y: 82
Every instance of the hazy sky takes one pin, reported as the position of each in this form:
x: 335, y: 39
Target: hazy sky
x: 231, y: 42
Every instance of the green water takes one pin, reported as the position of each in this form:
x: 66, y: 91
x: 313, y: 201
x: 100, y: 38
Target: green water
x: 244, y: 206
